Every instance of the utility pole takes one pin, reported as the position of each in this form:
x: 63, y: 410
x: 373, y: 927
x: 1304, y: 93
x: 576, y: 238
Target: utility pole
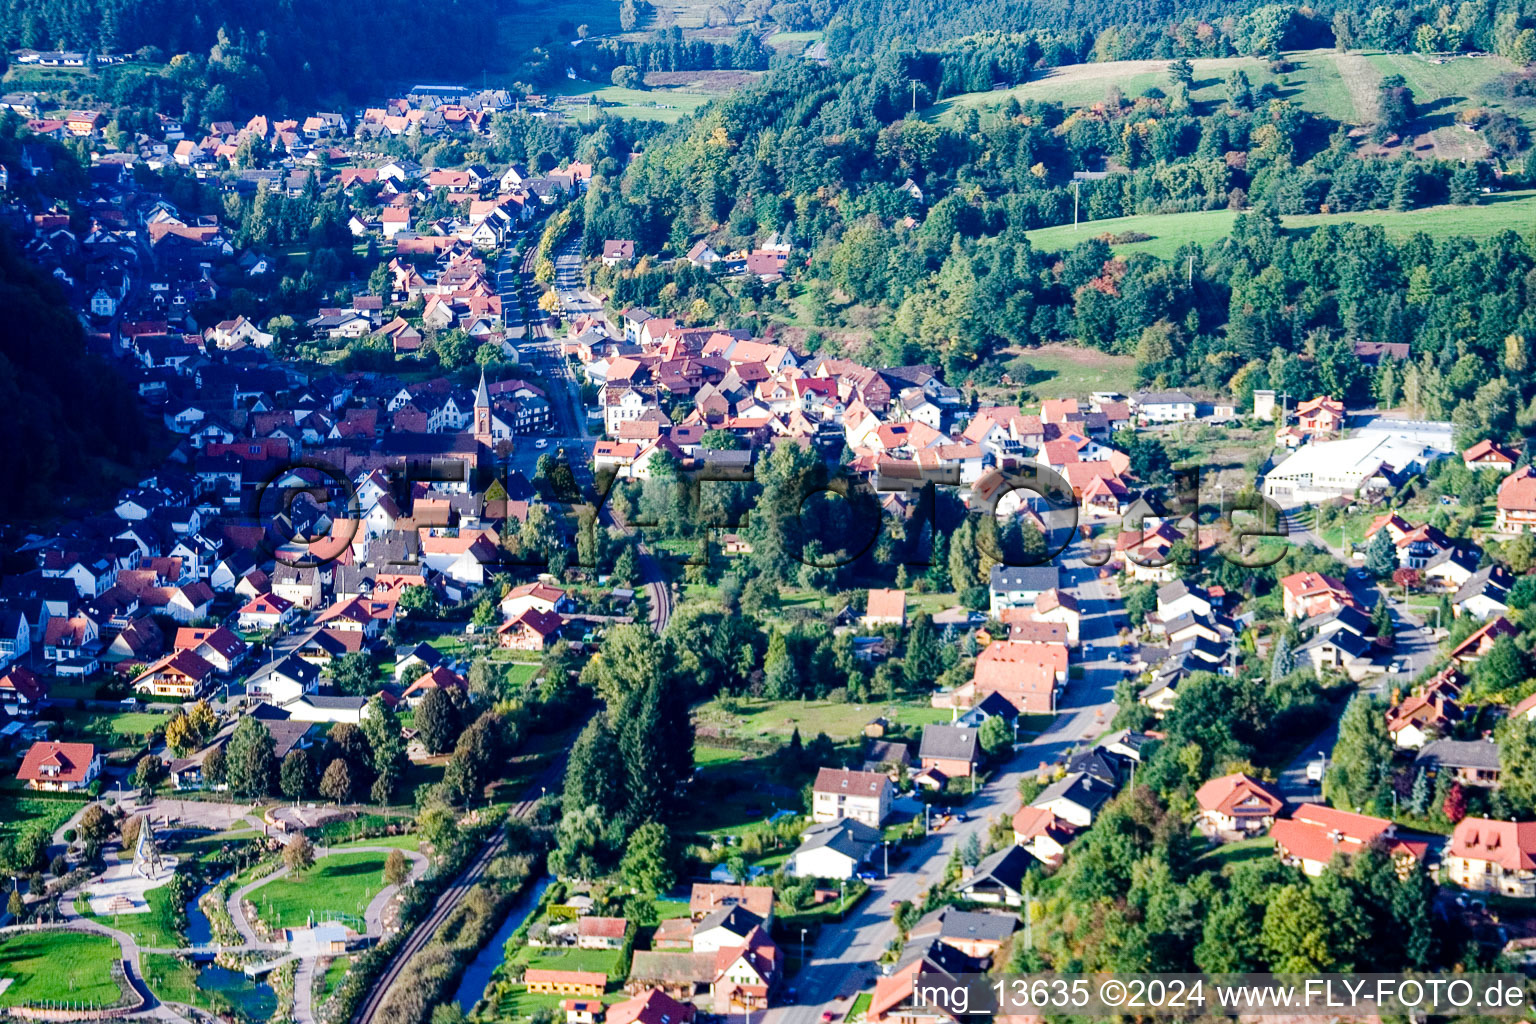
x: 1190, y: 279
x: 1076, y: 194
x: 914, y: 95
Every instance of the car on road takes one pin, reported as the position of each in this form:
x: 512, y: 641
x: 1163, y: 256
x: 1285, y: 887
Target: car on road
x: 541, y: 443
x: 869, y: 876
x: 1315, y: 770
x: 962, y: 816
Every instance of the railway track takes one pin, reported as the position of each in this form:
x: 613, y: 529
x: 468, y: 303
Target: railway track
x: 449, y: 899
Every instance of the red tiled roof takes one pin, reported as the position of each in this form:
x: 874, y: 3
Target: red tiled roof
x: 72, y: 760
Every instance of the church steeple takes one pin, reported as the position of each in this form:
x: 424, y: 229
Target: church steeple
x: 482, y: 411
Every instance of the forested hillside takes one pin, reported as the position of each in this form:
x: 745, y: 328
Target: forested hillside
x: 68, y: 420
x: 248, y: 54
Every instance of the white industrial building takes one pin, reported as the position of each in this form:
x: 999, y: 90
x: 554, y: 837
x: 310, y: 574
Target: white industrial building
x: 1324, y: 470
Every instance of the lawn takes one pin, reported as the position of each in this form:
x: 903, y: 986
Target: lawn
x: 667, y: 909
x: 703, y: 757
x: 610, y: 961
x: 792, y: 42
x: 342, y: 883
x: 860, y: 1005
x: 521, y: 1004
x: 335, y: 970
x: 411, y: 841
x: 59, y: 966
x: 777, y: 719
x: 104, y: 728
x: 1504, y: 211
x: 1241, y: 852
x: 154, y: 929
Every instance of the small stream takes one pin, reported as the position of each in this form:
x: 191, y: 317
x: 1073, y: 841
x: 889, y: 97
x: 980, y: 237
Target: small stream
x: 478, y: 974
x: 199, y: 928
x: 251, y: 1000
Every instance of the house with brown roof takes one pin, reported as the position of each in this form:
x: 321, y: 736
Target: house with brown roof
x: 1311, y: 593
x: 60, y: 767
x: 651, y: 1006
x: 601, y: 932
x: 1238, y: 803
x: 1493, y: 856
x: 221, y: 647
x: 1516, y: 502
x: 843, y: 793
x: 21, y: 690
x: 618, y: 250
x: 1322, y: 415
x: 707, y: 897
x: 1488, y: 454
x: 1471, y: 650
x: 885, y: 608
x: 180, y: 674
x: 532, y: 630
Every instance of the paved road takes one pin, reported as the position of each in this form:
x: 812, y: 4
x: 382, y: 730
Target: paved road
x: 841, y: 963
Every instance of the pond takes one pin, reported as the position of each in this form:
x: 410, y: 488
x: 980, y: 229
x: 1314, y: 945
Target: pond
x: 251, y: 1000
x: 478, y: 974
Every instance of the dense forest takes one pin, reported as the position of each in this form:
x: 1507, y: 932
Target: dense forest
x: 247, y: 55
x: 69, y: 421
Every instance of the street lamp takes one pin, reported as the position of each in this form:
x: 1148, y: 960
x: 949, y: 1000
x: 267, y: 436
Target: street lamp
x: 885, y: 847
x: 802, y: 947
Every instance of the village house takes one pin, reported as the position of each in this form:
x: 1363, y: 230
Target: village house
x: 1314, y: 834
x: 999, y: 878
x: 1469, y: 762
x: 1493, y: 856
x: 953, y: 750
x: 842, y: 793
x: 1515, y: 506
x: 1487, y: 454
x: 60, y: 767
x: 1043, y: 834
x: 531, y: 630
x: 181, y: 674
x: 885, y: 608
x: 833, y: 849
x: 1238, y: 803
x: 1309, y: 593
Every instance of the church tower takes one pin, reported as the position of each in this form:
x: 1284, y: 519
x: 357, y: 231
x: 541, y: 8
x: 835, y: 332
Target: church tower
x: 483, y: 412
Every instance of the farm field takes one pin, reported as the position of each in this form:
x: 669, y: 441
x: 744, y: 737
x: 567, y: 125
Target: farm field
x: 1061, y: 371
x: 20, y: 813
x: 342, y: 883
x: 670, y: 96
x: 59, y: 965
x: 1341, y: 86
x: 1502, y: 212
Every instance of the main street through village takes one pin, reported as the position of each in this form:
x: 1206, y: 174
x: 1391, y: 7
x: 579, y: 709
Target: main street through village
x: 843, y: 961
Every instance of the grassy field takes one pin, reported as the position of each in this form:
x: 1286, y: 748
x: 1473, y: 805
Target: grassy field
x: 666, y: 105
x: 405, y: 842
x: 792, y: 42
x: 777, y: 719
x: 105, y: 729
x: 338, y: 884
x: 20, y: 814
x: 1061, y: 371
x: 335, y: 970
x: 59, y: 965
x: 610, y: 961
x: 1340, y: 86
x: 860, y: 1005
x: 1514, y: 210
x: 155, y: 929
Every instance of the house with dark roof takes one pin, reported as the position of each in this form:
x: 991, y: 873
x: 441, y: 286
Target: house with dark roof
x: 1469, y: 762
x: 999, y: 878
x: 951, y: 749
x: 977, y: 934
x: 1019, y: 586
x: 833, y: 849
